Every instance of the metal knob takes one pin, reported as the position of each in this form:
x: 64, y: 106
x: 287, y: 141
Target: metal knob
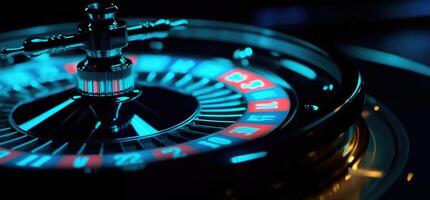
x: 105, y: 71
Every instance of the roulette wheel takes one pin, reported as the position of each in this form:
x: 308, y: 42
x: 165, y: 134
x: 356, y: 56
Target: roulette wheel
x: 188, y: 108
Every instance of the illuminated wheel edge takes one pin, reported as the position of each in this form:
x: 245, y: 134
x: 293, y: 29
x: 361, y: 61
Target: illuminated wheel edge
x: 319, y: 52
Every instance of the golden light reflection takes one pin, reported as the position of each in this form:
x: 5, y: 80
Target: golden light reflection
x: 336, y: 187
x: 351, y: 159
x: 355, y: 165
x: 376, y: 108
x: 312, y: 154
x: 369, y: 173
x: 365, y: 114
x: 347, y: 177
x: 410, y: 177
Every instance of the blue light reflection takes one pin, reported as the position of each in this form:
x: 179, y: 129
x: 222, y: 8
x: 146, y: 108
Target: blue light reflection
x: 248, y: 157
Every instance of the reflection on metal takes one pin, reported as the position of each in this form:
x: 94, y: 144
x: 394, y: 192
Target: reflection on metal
x: 39, y: 119
x: 328, y: 87
x: 312, y: 107
x: 355, y: 165
x: 385, y: 58
x: 348, y: 177
x: 350, y: 148
x: 142, y: 127
x: 351, y: 159
x: 371, y: 173
x: 262, y: 41
x: 376, y: 108
x: 248, y: 157
x: 243, y: 53
x: 368, y: 173
x: 299, y: 68
x: 336, y: 187
x: 410, y: 176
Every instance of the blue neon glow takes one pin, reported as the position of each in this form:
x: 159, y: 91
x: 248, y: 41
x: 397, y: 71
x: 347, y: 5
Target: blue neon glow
x: 265, y: 94
x: 41, y: 147
x: 233, y: 103
x: 281, y: 46
x: 109, y: 88
x: 33, y: 161
x: 80, y: 83
x: 197, y: 85
x: 155, y: 63
x: 81, y: 150
x: 208, y: 89
x: 7, y: 135
x: 313, y: 107
x: 90, y: 86
x: 141, y: 127
x: 248, y: 157
x: 102, y: 87
x: 98, y: 125
x: 12, y: 140
x: 59, y: 149
x: 242, y: 54
x: 215, y: 94
x: 80, y: 161
x: 187, y: 78
x: 151, y: 76
x: 387, y: 59
x: 124, y: 98
x: 219, y: 115
x: 214, y: 120
x: 39, y: 119
x: 299, y: 68
x: 25, y: 144
x: 168, y: 77
x: 223, y: 110
x: 43, y: 57
x: 182, y: 65
x: 328, y: 87
x: 212, y: 68
x: 221, y: 99
x: 4, y: 153
x: 16, y: 77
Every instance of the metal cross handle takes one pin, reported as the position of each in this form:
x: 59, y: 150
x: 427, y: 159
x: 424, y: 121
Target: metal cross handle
x: 102, y: 36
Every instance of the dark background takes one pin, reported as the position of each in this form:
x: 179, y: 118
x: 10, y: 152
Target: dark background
x: 397, y: 27
x: 290, y: 14
x: 321, y: 22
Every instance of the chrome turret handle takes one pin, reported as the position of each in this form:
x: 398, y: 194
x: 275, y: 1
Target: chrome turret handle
x: 105, y: 71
